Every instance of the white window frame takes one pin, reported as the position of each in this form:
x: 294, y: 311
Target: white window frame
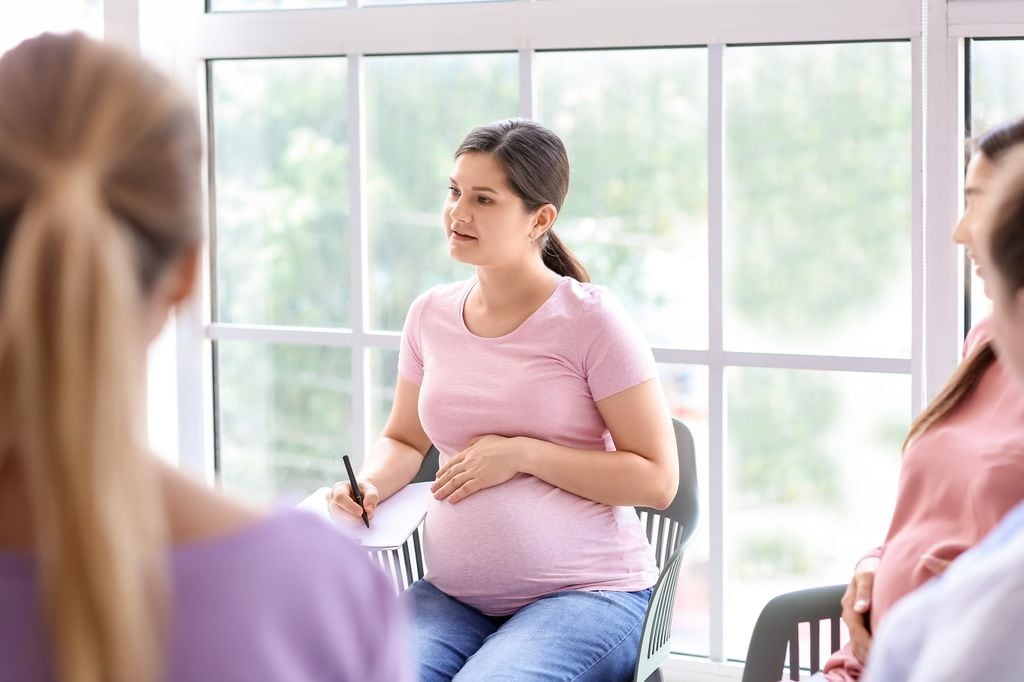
x: 935, y: 29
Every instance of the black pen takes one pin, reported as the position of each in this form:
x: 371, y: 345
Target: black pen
x: 356, y: 495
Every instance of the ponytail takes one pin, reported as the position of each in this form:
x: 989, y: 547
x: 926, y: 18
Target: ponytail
x: 558, y: 258
x: 959, y: 386
x: 70, y: 359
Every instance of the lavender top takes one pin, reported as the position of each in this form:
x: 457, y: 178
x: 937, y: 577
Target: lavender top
x: 287, y: 598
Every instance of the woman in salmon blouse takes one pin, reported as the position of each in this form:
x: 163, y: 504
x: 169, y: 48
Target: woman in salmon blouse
x: 963, y: 462
x: 966, y: 625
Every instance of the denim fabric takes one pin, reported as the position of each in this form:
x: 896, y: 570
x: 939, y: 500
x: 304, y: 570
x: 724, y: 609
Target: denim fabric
x: 567, y: 636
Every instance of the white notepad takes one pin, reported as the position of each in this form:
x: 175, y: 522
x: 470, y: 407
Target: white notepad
x: 395, y: 520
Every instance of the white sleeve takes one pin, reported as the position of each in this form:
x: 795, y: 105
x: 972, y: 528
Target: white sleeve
x: 977, y: 625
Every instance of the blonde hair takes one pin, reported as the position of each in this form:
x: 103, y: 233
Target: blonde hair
x: 99, y: 195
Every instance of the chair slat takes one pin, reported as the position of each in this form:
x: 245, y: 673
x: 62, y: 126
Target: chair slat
x: 675, y: 536
x: 395, y: 569
x: 815, y: 644
x: 794, y: 654
x: 670, y: 604
x: 419, y: 553
x: 408, y: 565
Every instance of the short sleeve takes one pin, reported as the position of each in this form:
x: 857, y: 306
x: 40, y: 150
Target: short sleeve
x: 612, y: 352
x: 410, y: 355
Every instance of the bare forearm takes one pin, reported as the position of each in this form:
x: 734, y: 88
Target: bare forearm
x: 612, y: 478
x: 390, y: 466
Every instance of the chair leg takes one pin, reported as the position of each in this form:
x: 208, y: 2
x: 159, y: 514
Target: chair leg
x: 654, y: 677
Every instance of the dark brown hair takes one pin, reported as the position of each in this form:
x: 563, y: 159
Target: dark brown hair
x: 1006, y: 238
x: 537, y: 167
x: 994, y: 144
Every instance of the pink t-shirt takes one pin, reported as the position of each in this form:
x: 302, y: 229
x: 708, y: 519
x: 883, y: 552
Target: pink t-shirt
x: 958, y: 479
x: 506, y: 546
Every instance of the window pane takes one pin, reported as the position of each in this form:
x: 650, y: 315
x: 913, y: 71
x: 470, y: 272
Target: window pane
x: 635, y: 122
x: 818, y: 199
x: 245, y: 5
x: 282, y: 243
x: 686, y: 388
x: 383, y: 377
x: 812, y: 467
x: 28, y: 18
x: 418, y: 110
x: 285, y: 418
x: 997, y: 96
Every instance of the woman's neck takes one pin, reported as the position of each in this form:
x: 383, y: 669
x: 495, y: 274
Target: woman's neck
x: 513, y: 287
x: 15, y: 509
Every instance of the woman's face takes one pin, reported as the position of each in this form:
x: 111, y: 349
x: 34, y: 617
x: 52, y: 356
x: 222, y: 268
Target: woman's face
x: 486, y: 224
x: 977, y: 184
x: 1007, y: 307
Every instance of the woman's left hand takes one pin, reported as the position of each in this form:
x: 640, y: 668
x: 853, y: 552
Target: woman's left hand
x: 487, y: 462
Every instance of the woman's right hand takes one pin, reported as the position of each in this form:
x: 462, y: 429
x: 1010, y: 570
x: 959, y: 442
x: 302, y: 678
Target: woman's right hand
x: 340, y: 495
x: 856, y: 603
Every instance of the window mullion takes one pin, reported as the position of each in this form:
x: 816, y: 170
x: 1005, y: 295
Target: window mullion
x: 358, y: 257
x: 716, y: 372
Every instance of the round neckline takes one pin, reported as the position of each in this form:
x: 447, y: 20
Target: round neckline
x: 472, y: 284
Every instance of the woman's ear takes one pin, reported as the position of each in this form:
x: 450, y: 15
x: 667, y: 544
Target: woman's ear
x: 545, y: 218
x: 175, y: 285
x: 184, y: 275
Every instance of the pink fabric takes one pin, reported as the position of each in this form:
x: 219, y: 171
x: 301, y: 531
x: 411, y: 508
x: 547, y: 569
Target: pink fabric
x: 957, y: 481
x: 508, y: 545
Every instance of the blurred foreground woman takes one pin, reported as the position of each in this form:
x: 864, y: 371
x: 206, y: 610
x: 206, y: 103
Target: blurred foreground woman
x: 113, y: 566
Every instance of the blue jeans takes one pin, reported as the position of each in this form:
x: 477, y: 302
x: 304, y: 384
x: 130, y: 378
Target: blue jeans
x: 571, y: 635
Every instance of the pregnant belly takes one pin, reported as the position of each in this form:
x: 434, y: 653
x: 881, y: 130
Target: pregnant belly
x: 902, y: 569
x: 504, y: 546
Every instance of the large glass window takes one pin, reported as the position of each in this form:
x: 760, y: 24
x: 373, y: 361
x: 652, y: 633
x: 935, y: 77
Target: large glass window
x: 635, y: 124
x: 686, y: 389
x: 812, y: 466
x: 418, y: 109
x: 285, y: 418
x: 281, y: 156
x: 771, y: 272
x: 281, y: 255
x: 818, y: 178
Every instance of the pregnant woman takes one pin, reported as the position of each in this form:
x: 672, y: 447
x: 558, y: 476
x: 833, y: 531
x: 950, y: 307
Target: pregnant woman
x: 543, y: 401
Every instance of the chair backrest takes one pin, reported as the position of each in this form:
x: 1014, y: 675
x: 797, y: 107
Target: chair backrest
x: 669, y: 531
x: 778, y: 630
x: 675, y: 525
x: 428, y: 470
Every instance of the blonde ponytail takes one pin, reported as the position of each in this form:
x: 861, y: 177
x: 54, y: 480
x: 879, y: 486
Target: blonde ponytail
x: 99, y: 194
x: 69, y: 313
